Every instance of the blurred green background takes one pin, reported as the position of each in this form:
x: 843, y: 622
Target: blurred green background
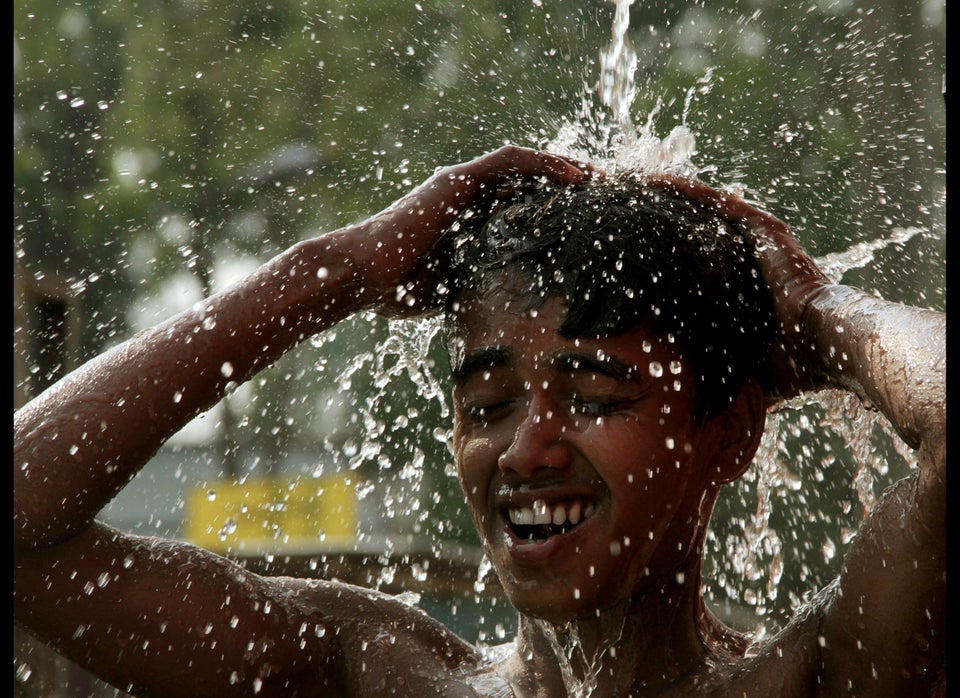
x: 162, y: 148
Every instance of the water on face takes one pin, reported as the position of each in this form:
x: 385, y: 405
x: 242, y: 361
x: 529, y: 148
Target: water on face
x: 768, y: 514
x: 822, y: 461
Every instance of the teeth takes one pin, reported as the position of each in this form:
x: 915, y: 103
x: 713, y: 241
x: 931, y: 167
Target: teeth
x: 541, y: 514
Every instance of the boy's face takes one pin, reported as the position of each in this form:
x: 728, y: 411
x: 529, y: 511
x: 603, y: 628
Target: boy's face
x: 580, y: 459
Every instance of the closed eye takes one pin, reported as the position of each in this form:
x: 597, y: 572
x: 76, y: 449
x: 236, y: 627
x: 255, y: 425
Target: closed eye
x: 595, y: 408
x: 488, y: 411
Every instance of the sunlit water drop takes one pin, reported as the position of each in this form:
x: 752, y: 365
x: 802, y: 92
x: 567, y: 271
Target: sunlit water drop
x: 749, y: 561
x: 23, y: 672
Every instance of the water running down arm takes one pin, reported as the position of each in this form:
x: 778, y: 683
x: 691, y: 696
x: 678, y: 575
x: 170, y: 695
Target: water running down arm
x: 158, y: 615
x: 883, y: 631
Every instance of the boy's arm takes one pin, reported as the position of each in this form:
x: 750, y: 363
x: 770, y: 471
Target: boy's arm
x: 883, y: 632
x: 146, y: 611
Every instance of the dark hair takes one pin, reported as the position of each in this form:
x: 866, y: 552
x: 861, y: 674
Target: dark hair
x: 620, y: 253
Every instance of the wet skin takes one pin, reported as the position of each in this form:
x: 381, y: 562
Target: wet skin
x: 604, y: 426
x: 164, y: 618
x: 542, y: 420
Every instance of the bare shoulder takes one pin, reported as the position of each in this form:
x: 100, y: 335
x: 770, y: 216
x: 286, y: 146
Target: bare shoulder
x: 785, y: 665
x: 386, y: 642
x: 166, y: 618
x: 885, y: 628
x: 878, y: 629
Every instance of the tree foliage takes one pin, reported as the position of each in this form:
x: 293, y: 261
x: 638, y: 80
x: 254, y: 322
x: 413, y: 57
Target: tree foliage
x: 157, y: 142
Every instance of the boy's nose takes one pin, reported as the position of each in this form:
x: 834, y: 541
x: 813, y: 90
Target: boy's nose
x: 539, y: 441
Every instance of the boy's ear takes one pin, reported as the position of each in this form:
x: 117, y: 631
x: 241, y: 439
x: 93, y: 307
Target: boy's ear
x: 735, y: 434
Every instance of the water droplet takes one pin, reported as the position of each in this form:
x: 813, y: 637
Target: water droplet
x: 228, y: 529
x: 23, y: 672
x: 656, y: 369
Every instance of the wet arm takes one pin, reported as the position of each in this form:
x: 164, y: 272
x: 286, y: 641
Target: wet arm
x: 885, y: 627
x: 157, y: 617
x: 893, y: 356
x: 883, y: 630
x: 163, y: 616
x: 80, y: 442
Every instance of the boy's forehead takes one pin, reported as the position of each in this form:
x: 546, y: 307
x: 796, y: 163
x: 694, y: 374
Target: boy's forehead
x: 491, y: 330
x: 502, y: 316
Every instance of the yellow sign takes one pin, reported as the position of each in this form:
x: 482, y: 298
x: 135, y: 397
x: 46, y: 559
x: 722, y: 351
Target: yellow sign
x: 260, y: 515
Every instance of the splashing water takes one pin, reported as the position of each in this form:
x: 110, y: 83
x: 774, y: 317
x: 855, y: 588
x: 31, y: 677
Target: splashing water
x: 836, y: 264
x: 618, y: 65
x: 750, y: 562
x: 401, y: 354
x: 571, y: 655
x: 618, y: 144
x: 485, y: 568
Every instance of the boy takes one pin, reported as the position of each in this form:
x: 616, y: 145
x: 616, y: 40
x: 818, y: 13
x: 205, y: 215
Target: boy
x: 590, y: 445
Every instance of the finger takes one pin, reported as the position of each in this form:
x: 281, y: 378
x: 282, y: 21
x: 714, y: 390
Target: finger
x: 577, y: 170
x: 729, y: 205
x: 695, y: 190
x: 527, y: 162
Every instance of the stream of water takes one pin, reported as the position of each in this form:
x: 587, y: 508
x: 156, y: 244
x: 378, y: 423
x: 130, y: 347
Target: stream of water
x: 747, y: 558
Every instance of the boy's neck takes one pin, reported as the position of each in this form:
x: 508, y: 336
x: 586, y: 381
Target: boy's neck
x: 658, y: 639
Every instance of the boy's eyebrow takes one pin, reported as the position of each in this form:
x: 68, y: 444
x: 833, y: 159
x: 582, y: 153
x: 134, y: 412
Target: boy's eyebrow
x: 605, y: 365
x: 480, y: 359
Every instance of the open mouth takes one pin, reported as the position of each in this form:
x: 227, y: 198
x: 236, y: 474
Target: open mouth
x: 543, y: 521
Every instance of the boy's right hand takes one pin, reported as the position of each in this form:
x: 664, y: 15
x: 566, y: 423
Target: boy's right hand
x: 399, y: 253
x: 790, y: 274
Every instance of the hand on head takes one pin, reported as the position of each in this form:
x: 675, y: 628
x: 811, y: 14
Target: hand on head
x: 413, y: 235
x: 791, y: 275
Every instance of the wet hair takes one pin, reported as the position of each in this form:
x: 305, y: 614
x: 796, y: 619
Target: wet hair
x: 621, y: 253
